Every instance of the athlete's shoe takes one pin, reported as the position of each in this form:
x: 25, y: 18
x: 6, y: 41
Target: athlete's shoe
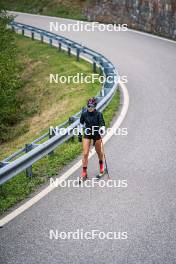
x: 82, y: 178
x: 101, y: 174
x: 101, y: 167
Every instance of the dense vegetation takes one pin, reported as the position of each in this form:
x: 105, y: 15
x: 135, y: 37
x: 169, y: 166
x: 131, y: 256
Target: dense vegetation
x: 10, y: 81
x: 61, y: 8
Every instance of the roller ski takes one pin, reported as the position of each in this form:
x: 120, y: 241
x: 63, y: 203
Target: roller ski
x: 101, y: 174
x: 83, y: 176
x: 103, y: 170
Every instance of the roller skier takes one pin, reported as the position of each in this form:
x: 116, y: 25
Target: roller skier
x: 94, y: 125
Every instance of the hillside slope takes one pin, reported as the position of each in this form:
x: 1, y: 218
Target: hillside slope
x: 61, y: 8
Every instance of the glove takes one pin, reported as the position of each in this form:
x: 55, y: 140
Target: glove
x: 102, y: 130
x: 79, y: 137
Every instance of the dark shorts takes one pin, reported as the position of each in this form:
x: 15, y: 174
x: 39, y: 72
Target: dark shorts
x: 94, y: 137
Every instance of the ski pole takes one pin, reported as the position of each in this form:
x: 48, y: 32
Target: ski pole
x: 105, y: 159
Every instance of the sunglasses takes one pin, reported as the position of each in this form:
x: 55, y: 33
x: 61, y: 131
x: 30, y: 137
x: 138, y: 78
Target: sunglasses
x: 91, y: 106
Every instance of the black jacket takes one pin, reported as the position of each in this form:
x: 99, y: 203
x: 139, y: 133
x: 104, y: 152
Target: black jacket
x: 91, y: 119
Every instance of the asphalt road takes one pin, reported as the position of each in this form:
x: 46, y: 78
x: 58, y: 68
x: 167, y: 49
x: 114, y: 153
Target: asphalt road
x: 145, y: 158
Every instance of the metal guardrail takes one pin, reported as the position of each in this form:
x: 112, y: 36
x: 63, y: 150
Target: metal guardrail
x: 31, y: 153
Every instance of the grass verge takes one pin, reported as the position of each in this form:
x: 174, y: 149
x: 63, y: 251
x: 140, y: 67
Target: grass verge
x: 45, y: 104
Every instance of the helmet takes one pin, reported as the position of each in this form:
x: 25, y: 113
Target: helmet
x: 92, y: 102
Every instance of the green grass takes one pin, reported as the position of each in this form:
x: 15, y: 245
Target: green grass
x: 44, y: 104
x: 61, y: 8
x: 21, y: 186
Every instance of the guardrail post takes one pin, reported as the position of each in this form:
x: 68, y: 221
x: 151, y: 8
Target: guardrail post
x: 22, y: 31
x: 71, y: 121
x: 102, y: 92
x: 77, y: 54
x: 29, y: 169
x: 60, y: 46
x: 50, y: 42
x: 101, y: 72
x: 51, y: 134
x: 32, y: 35
x: 41, y: 38
x: 69, y: 51
x: 94, y: 67
x: 1, y: 164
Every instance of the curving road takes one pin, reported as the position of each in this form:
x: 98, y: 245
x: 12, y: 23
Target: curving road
x: 146, y: 158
